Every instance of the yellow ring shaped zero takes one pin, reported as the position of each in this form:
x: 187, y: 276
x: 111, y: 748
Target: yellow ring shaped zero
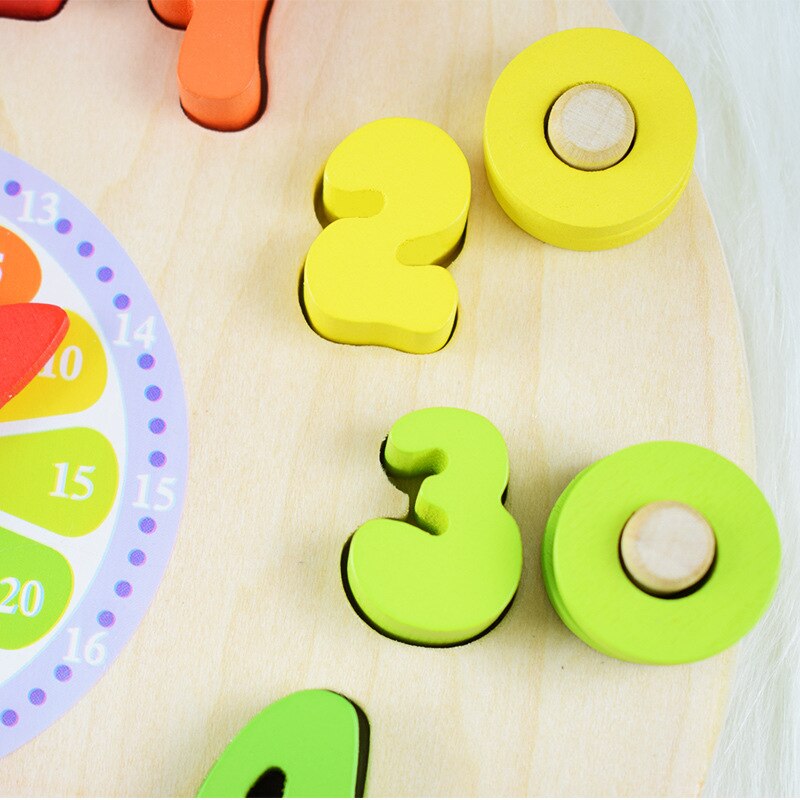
x: 597, y: 600
x: 573, y: 208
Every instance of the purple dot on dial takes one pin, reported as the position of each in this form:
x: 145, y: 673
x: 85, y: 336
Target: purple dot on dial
x: 157, y: 458
x: 63, y: 225
x: 123, y: 589
x: 106, y: 619
x: 121, y: 301
x: 62, y: 672
x: 12, y: 188
x: 137, y: 558
x: 85, y: 249
x: 37, y: 696
x: 146, y: 361
x: 9, y: 718
x: 105, y: 274
x: 157, y: 425
x: 153, y: 393
x: 147, y: 525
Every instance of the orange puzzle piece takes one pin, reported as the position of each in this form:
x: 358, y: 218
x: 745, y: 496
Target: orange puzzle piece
x: 219, y: 67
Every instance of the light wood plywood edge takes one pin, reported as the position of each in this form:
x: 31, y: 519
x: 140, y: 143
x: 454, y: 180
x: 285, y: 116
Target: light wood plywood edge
x: 571, y: 355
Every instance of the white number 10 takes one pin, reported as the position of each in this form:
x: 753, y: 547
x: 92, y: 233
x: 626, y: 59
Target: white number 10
x: 144, y: 334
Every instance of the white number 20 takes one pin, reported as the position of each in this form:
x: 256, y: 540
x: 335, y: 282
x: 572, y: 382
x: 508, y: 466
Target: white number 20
x: 31, y: 597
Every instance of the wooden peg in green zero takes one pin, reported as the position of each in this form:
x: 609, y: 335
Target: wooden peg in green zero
x: 448, y: 578
x: 309, y: 744
x: 597, y: 599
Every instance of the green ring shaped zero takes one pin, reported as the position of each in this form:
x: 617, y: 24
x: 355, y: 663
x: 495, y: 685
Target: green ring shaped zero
x: 595, y: 598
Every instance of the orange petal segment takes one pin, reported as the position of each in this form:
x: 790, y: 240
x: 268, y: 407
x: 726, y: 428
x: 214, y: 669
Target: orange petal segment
x: 20, y: 273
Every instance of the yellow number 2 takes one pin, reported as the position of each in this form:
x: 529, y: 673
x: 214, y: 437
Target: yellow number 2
x: 398, y: 191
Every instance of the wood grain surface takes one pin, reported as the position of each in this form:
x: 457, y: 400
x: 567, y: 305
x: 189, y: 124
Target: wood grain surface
x: 571, y: 355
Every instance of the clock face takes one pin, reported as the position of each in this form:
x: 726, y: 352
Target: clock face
x: 572, y: 356
x: 93, y: 456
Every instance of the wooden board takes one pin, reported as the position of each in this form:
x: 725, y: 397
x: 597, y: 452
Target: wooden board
x: 571, y: 355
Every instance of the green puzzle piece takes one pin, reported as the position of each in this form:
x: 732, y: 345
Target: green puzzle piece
x: 593, y: 594
x: 312, y: 738
x: 449, y: 582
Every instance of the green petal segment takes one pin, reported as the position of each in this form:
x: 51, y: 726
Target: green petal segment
x: 35, y: 590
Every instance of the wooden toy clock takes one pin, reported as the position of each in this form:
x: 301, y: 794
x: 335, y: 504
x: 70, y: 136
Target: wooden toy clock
x: 375, y: 416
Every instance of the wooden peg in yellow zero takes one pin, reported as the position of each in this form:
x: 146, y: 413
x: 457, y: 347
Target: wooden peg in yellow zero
x: 595, y: 597
x: 312, y: 743
x: 398, y: 191
x: 590, y: 208
x: 448, y: 579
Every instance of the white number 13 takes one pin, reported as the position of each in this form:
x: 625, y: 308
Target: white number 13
x: 48, y: 207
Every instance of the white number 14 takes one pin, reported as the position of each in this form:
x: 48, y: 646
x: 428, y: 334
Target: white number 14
x: 144, y: 333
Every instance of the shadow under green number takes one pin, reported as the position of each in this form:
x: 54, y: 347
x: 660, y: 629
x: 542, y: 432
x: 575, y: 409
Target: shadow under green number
x: 312, y: 743
x: 448, y: 580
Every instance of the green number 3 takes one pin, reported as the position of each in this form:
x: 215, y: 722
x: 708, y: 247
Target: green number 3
x: 448, y: 580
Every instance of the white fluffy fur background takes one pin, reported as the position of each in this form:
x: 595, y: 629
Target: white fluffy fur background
x: 742, y: 63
